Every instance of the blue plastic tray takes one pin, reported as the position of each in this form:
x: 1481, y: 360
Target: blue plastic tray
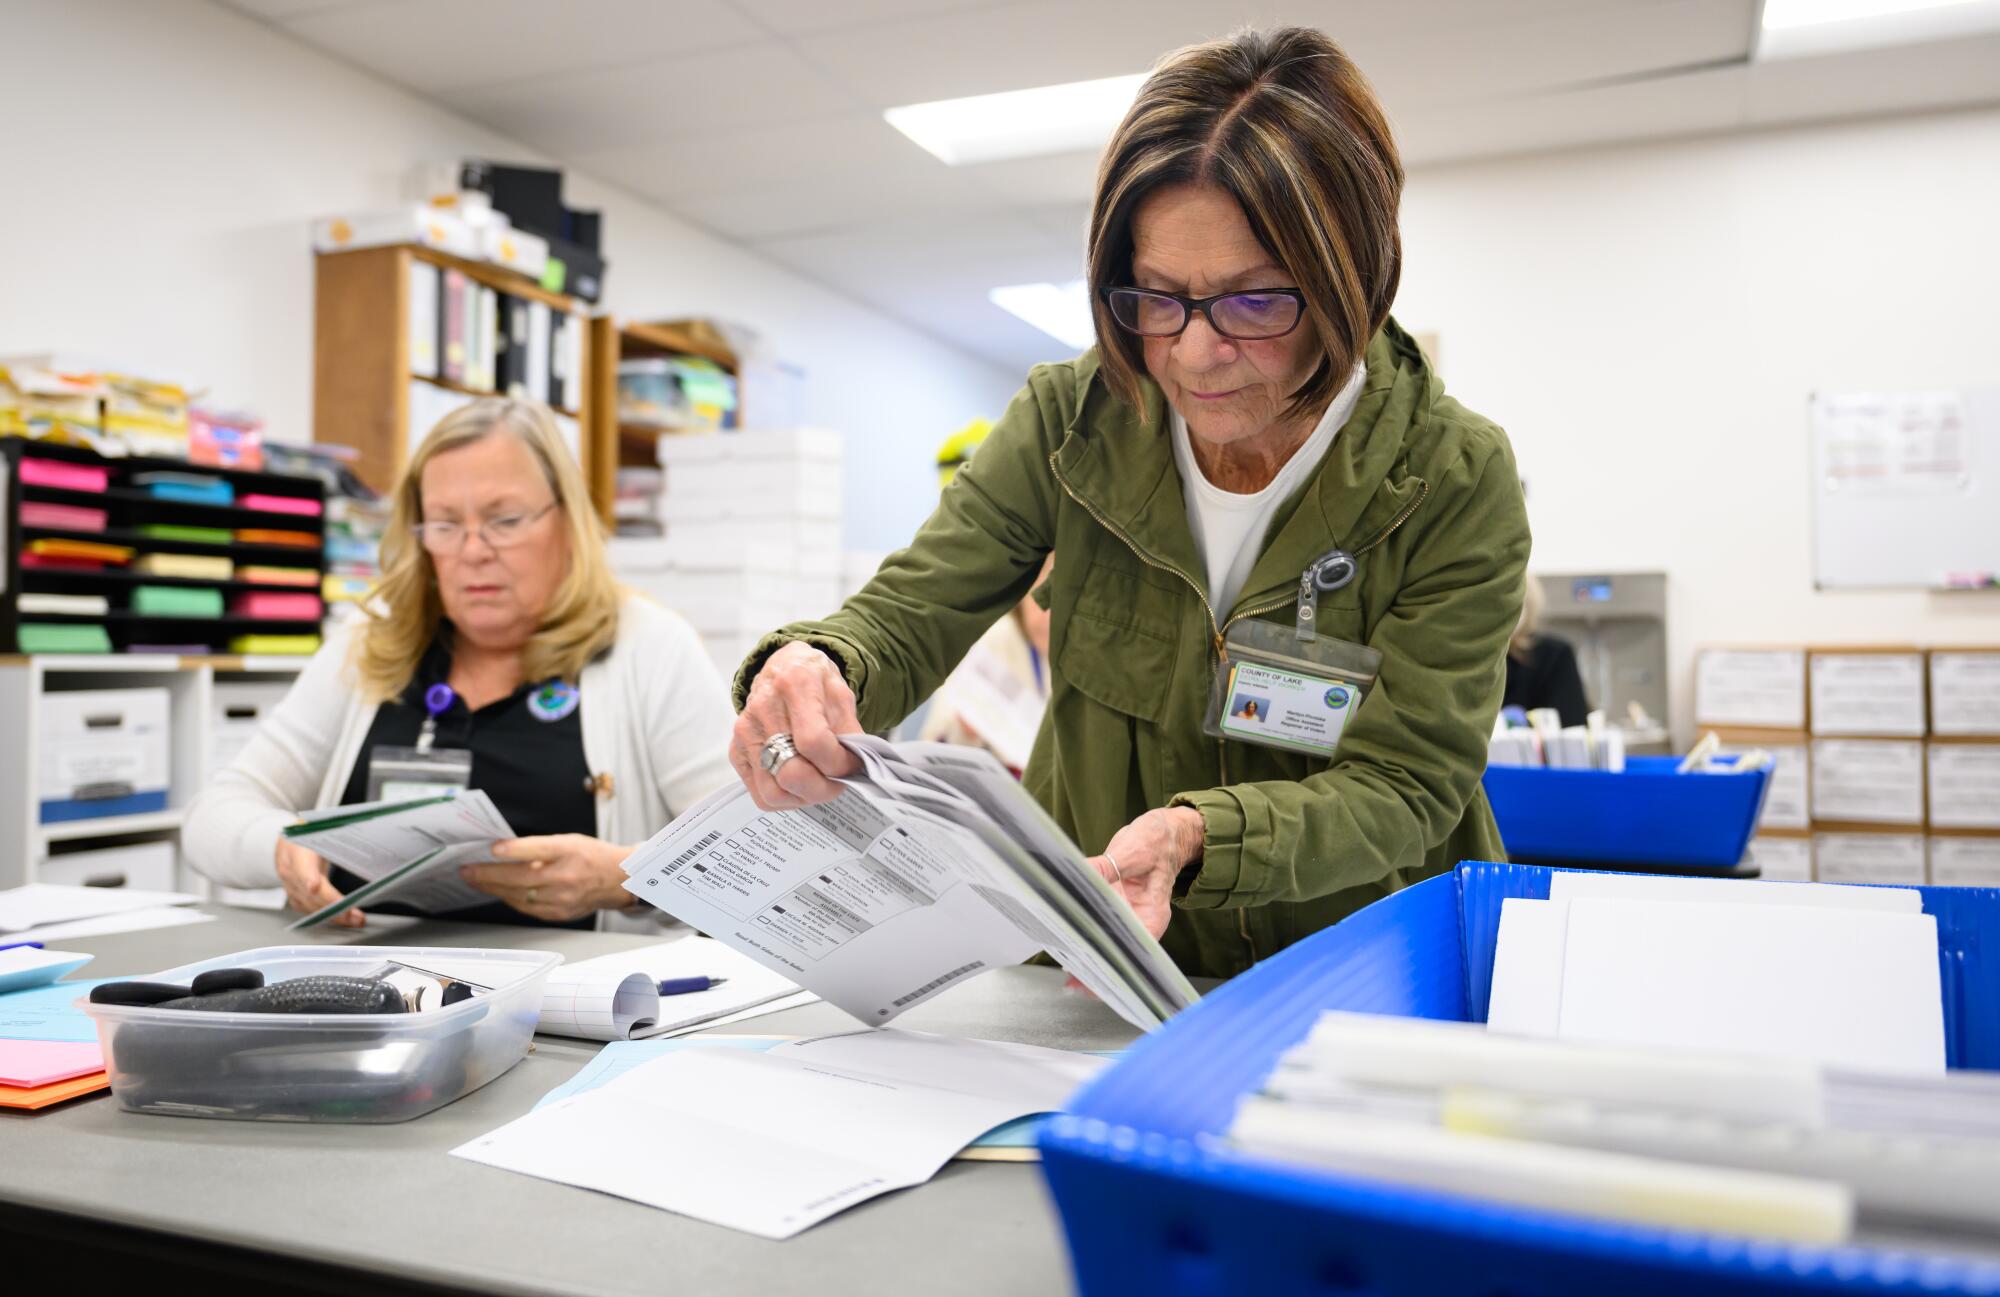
x: 1153, y: 1207
x: 1646, y: 816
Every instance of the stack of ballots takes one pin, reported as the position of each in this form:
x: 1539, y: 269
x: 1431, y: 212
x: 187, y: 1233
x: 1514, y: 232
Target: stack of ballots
x: 752, y: 524
x: 1762, y: 1059
x: 1543, y: 740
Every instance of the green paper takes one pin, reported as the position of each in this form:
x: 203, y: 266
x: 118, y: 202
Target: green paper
x: 174, y: 601
x: 199, y: 535
x: 39, y: 637
x: 555, y: 275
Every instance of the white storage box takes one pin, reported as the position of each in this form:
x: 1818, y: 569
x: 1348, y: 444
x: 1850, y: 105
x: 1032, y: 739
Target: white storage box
x: 237, y: 708
x: 420, y: 223
x: 1965, y: 691
x: 744, y: 488
x: 1759, y: 688
x: 147, y: 866
x: 816, y: 444
x: 1871, y: 693
x: 1783, y: 858
x: 102, y: 752
x: 813, y: 546
x: 1788, y: 798
x: 1896, y: 858
x: 1964, y: 780
x: 1870, y: 781
x: 1965, y: 861
x: 377, y: 1067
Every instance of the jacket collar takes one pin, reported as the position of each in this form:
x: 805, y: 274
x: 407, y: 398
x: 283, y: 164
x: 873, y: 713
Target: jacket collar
x: 1119, y: 465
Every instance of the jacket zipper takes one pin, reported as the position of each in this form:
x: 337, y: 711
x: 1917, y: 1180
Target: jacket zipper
x: 1217, y: 642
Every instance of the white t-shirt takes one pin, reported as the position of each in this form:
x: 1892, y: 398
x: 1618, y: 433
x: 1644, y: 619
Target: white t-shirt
x: 1229, y: 529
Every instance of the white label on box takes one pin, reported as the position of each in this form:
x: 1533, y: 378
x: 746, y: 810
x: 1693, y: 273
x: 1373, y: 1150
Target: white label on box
x: 1868, y: 693
x: 1783, y: 859
x: 1869, y: 858
x: 1765, y: 688
x: 1965, y: 693
x: 1965, y: 862
x: 1878, y: 781
x: 1965, y: 785
x: 1787, y: 803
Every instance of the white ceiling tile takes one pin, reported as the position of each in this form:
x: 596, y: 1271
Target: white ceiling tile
x: 279, y: 10
x: 440, y: 45
x: 741, y: 86
x: 1059, y: 178
x: 797, y: 17
x: 1904, y: 78
x: 828, y: 203
x: 724, y: 160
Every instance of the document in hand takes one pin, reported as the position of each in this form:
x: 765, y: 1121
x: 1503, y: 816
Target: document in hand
x: 933, y: 865
x: 406, y: 850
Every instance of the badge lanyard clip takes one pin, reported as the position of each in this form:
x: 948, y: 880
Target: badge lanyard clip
x: 1329, y: 572
x: 437, y: 701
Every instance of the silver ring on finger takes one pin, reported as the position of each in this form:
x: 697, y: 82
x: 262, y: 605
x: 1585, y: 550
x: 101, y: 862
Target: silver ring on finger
x: 777, y: 750
x: 1117, y: 874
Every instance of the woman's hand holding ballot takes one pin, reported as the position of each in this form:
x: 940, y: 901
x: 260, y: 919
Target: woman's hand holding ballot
x: 1145, y: 858
x: 307, y: 889
x: 798, y: 695
x: 558, y: 877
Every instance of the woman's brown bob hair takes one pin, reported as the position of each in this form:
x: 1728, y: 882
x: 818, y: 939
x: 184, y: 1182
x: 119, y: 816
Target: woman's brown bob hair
x: 1285, y: 123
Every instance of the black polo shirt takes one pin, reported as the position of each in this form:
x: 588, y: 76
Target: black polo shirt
x: 534, y: 770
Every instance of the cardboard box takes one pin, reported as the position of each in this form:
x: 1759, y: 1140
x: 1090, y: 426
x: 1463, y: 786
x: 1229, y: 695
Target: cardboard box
x: 1758, y: 688
x: 419, y: 223
x: 1862, y: 857
x: 1963, y: 782
x: 1785, y: 857
x: 1965, y: 691
x: 1964, y: 860
x: 1868, y: 692
x: 1868, y: 781
x: 1788, y: 801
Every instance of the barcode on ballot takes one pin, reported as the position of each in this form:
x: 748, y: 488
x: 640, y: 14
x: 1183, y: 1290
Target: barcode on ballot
x: 692, y: 852
x: 936, y: 982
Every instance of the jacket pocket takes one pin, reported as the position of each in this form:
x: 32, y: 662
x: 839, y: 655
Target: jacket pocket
x: 1127, y: 668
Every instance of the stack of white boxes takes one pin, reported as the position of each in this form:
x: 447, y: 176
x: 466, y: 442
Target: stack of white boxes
x: 1964, y: 767
x: 753, y: 535
x: 1868, y: 724
x: 1755, y: 698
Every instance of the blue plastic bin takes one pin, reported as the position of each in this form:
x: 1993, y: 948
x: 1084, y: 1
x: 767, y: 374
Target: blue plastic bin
x: 1647, y: 815
x: 1152, y: 1206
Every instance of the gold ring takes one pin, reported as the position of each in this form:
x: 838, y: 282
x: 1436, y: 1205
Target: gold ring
x: 531, y: 896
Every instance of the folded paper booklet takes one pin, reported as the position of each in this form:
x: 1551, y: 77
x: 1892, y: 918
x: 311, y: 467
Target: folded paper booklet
x: 932, y: 866
x: 407, y: 851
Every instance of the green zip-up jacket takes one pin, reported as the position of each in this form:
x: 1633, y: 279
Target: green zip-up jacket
x: 1421, y: 490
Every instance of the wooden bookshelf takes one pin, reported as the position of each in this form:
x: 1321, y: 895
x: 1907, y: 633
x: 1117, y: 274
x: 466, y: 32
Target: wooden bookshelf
x: 612, y: 444
x: 362, y: 376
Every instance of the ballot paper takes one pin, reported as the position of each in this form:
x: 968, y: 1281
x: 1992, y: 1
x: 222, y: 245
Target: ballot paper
x: 1826, y: 980
x: 616, y: 997
x: 931, y: 866
x: 408, y: 851
x: 106, y: 925
x: 772, y: 1143
x: 39, y: 904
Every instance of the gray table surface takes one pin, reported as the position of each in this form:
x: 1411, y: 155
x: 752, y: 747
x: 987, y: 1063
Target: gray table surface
x: 312, y: 1190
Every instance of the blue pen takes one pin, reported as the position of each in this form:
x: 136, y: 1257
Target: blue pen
x: 689, y: 985
x: 13, y: 944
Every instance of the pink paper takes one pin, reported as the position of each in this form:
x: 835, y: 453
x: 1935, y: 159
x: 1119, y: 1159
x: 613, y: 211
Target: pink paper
x: 59, y: 473
x: 62, y: 517
x: 29, y: 1063
x: 294, y: 504
x: 279, y: 606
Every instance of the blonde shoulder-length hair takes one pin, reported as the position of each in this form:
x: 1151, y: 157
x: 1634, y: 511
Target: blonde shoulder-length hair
x: 405, y: 610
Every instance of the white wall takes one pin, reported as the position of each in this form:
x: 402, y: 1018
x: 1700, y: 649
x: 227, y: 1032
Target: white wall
x: 165, y: 158
x: 1647, y: 321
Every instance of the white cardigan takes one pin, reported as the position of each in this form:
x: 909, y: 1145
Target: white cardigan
x: 655, y: 717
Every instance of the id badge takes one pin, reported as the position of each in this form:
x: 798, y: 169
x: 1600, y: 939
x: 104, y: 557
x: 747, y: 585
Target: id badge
x: 401, y: 774
x: 1274, y: 689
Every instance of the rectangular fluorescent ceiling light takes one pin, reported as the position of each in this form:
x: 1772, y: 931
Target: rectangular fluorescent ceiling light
x: 1803, y: 28
x: 1060, y: 310
x: 1069, y: 118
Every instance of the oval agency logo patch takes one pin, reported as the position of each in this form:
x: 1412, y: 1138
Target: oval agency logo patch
x: 554, y: 700
x: 1336, y: 697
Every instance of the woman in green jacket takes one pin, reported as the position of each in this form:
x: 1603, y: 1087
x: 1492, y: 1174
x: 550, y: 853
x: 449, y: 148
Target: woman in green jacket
x: 1254, y: 480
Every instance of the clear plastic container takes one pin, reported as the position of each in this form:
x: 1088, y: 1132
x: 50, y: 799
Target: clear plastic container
x: 376, y: 1067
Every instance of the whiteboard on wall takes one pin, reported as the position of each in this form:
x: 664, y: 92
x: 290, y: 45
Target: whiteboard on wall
x: 1906, y: 488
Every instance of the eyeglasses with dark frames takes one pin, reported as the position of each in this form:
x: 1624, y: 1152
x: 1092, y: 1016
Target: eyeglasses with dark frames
x: 1251, y: 315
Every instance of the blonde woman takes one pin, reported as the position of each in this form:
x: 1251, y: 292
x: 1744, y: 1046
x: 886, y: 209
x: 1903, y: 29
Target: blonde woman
x: 591, y: 717
x: 1541, y: 669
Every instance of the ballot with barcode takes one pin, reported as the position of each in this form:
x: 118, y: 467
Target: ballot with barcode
x: 931, y: 867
